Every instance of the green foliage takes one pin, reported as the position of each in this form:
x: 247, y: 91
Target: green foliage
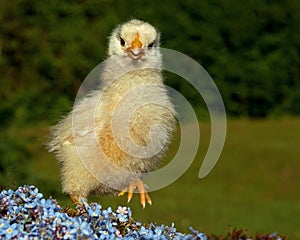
x: 14, y: 156
x: 251, y: 49
x: 240, y: 234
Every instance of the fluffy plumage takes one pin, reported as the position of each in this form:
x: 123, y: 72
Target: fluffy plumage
x: 120, y: 131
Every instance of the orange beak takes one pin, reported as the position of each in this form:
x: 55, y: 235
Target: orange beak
x: 136, y: 43
x: 135, y: 50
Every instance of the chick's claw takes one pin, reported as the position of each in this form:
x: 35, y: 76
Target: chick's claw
x: 144, y: 196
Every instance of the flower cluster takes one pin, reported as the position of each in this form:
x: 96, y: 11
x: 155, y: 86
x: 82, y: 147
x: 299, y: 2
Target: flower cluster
x: 26, y: 214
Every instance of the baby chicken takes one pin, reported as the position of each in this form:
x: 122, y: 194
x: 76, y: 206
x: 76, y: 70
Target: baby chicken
x: 120, y: 131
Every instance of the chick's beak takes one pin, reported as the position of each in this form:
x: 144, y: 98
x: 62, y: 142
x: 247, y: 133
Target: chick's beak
x: 135, y: 50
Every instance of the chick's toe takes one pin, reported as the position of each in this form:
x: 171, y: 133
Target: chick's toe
x: 139, y: 185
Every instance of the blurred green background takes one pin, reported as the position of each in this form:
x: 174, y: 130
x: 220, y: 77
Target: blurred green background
x: 252, y: 51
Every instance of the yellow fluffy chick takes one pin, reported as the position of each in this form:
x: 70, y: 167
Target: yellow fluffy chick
x: 121, y: 130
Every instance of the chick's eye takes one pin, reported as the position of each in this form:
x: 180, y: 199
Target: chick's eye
x: 151, y: 45
x: 122, y: 42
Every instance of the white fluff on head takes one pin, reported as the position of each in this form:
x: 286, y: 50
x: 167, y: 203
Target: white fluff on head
x: 126, y: 31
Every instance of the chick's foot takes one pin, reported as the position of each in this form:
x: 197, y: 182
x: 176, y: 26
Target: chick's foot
x: 144, y: 196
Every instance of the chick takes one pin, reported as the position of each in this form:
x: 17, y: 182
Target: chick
x: 120, y: 131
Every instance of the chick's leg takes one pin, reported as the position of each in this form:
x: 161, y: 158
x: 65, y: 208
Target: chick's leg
x: 77, y: 200
x: 144, y: 196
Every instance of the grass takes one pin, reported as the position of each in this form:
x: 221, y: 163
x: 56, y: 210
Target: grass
x: 254, y: 186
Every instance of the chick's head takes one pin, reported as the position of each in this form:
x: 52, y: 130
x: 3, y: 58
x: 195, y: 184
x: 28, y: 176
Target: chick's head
x: 135, y: 39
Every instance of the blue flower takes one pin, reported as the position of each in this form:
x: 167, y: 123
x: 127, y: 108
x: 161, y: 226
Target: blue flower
x: 94, y: 210
x: 146, y: 233
x: 25, y: 214
x: 107, y: 234
x: 132, y: 234
x: 122, y: 217
x: 69, y: 231
x: 123, y: 213
x: 3, y: 224
x: 85, y: 229
x: 9, y: 231
x: 106, y: 213
x: 158, y: 230
x: 200, y: 236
